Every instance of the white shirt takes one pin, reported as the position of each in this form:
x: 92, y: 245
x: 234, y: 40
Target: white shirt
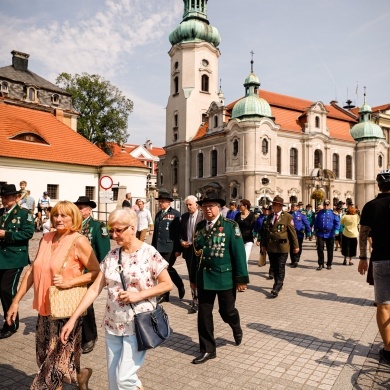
x: 144, y: 219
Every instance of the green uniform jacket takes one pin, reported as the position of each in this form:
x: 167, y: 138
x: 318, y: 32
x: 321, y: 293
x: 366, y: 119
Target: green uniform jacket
x: 97, y: 234
x: 281, y: 236
x: 220, y: 262
x: 19, y: 228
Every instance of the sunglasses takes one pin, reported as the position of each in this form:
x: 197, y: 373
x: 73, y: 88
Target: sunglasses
x: 118, y: 231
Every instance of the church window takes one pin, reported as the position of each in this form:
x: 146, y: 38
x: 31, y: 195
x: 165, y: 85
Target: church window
x: 214, y: 163
x: 318, y: 158
x: 176, y: 85
x: 264, y: 146
x: 176, y: 65
x: 293, y: 199
x: 380, y: 161
x: 234, y: 193
x: 200, y: 165
x: 317, y: 122
x: 293, y: 161
x: 215, y: 120
x: 235, y: 147
x: 335, y: 165
x: 205, y: 83
x: 175, y: 136
x: 176, y: 120
x: 348, y: 165
x: 278, y: 159
x: 205, y: 63
x: 175, y: 170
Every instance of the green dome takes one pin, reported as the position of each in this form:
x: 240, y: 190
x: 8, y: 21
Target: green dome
x: 195, y: 26
x: 252, y: 79
x: 195, y: 30
x: 366, y: 130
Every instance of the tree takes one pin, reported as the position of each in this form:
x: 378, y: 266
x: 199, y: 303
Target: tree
x: 103, y: 109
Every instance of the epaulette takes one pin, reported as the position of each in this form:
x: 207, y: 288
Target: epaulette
x: 229, y: 220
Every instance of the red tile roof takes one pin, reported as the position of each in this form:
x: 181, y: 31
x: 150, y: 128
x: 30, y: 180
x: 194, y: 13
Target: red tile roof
x: 62, y: 144
x: 124, y: 159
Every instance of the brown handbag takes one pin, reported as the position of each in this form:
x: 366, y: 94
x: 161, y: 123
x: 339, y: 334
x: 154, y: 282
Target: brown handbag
x: 64, y: 301
x: 262, y: 259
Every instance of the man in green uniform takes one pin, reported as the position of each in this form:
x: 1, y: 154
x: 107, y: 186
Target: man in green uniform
x: 278, y: 240
x: 16, y: 229
x: 98, y: 236
x: 219, y: 270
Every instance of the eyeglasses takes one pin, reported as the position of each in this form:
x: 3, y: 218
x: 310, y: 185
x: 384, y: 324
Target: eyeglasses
x: 210, y: 206
x: 119, y: 231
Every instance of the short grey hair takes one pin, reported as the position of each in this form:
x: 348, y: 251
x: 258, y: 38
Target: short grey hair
x: 192, y: 198
x: 124, y: 216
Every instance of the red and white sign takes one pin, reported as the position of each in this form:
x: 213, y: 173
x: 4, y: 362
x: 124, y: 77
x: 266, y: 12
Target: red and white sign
x: 106, y: 182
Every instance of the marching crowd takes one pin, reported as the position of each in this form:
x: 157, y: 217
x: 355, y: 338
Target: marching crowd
x: 215, y: 242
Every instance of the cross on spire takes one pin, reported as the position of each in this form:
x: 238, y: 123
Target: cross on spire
x: 252, y: 52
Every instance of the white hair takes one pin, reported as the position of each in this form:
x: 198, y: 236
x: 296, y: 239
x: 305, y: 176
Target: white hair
x: 191, y: 197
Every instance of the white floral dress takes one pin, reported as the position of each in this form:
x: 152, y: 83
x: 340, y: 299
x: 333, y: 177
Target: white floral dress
x: 140, y: 269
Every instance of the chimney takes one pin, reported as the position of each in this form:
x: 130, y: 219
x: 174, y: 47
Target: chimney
x: 20, y: 60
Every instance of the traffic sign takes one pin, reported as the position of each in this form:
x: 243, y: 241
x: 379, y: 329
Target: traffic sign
x: 106, y: 182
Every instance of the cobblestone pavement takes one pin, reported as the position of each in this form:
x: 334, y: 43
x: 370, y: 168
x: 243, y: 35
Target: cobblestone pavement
x: 320, y: 333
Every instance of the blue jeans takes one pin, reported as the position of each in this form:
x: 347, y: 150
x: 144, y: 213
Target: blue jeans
x: 123, y: 362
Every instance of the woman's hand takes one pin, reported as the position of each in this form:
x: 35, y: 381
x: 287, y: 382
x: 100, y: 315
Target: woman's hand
x: 12, y: 313
x: 59, y: 281
x: 66, y: 331
x: 129, y: 296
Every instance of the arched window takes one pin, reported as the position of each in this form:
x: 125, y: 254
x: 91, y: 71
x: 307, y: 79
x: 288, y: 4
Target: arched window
x: 317, y: 122
x: 205, y: 83
x: 31, y: 94
x: 278, y: 159
x: 348, y: 167
x: 200, y: 165
x: 215, y: 120
x: 318, y: 159
x: 214, y: 163
x: 4, y: 87
x: 55, y: 98
x: 293, y: 199
x: 293, y: 161
x: 264, y: 146
x: 235, y: 147
x: 176, y: 85
x: 175, y: 170
x: 234, y: 193
x: 335, y: 165
x: 380, y: 161
x: 176, y: 120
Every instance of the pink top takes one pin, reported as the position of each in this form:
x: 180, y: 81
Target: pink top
x: 48, y: 263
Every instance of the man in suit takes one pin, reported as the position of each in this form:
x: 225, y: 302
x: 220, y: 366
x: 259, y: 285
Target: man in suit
x: 278, y: 240
x: 97, y: 234
x: 16, y: 229
x: 219, y: 271
x: 188, y: 222
x: 165, y: 239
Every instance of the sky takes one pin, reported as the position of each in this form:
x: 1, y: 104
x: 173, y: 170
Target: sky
x: 315, y: 50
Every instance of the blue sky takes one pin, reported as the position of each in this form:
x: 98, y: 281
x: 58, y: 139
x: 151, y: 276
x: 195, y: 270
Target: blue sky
x: 316, y: 50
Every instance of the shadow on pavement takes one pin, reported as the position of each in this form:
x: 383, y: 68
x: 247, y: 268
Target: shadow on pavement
x: 329, y: 296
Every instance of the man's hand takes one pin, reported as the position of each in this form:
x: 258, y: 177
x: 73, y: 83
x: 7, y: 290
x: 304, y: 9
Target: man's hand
x: 193, y: 286
x: 185, y: 244
x: 241, y: 287
x: 296, y: 250
x: 362, y: 267
x: 2, y: 233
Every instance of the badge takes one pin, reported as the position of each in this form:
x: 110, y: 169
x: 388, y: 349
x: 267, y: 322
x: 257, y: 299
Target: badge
x: 237, y: 231
x: 104, y: 231
x: 29, y: 218
x: 13, y: 221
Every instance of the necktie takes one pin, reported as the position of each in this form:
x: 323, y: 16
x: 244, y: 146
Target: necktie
x: 275, y: 219
x: 190, y: 228
x: 209, y: 224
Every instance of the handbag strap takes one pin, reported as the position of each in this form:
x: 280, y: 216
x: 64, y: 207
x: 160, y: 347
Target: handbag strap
x: 67, y: 254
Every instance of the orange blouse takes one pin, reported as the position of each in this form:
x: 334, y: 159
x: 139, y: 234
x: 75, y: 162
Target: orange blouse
x: 48, y: 263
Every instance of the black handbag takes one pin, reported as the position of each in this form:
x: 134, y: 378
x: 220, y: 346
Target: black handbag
x: 151, y: 327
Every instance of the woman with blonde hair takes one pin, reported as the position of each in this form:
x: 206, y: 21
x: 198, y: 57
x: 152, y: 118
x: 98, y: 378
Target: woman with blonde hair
x: 68, y: 251
x: 146, y: 276
x: 350, y: 221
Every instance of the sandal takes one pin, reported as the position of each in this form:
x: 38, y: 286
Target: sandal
x: 350, y: 263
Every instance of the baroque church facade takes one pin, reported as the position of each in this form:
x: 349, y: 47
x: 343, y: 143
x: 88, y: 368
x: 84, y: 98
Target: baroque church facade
x: 264, y: 144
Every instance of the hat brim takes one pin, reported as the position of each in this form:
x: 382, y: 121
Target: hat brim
x: 11, y: 193
x: 90, y: 204
x: 278, y: 203
x: 164, y: 197
x: 221, y: 202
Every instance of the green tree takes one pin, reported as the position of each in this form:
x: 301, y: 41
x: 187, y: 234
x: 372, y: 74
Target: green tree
x: 103, y: 109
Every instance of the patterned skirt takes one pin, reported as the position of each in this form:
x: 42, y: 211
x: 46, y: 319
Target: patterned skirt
x: 57, y: 362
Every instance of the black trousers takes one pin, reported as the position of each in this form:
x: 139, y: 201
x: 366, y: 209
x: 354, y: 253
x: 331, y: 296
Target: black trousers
x: 278, y: 264
x: 295, y: 257
x: 171, y: 259
x: 329, y: 242
x: 227, y: 310
x: 89, y: 331
x: 9, y: 281
x: 190, y: 256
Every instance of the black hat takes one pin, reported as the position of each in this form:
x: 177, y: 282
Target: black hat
x: 164, y: 194
x: 278, y: 200
x: 211, y: 197
x: 85, y: 200
x: 308, y: 205
x: 326, y: 201
x: 8, y: 189
x: 300, y: 203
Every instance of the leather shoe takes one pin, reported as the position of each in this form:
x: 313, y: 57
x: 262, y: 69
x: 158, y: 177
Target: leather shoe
x: 319, y: 268
x: 6, y: 334
x: 203, y: 358
x: 88, y: 346
x: 274, y: 293
x: 270, y: 277
x: 294, y: 265
x: 182, y: 292
x: 163, y: 298
x: 193, y: 309
x: 237, y: 338
x: 328, y: 267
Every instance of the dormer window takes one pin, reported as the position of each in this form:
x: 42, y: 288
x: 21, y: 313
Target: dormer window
x: 55, y: 98
x: 215, y: 120
x: 31, y: 94
x: 317, y: 122
x: 4, y: 87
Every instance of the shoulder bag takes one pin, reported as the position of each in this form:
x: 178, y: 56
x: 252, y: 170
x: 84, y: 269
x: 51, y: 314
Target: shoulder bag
x: 64, y: 301
x: 151, y: 327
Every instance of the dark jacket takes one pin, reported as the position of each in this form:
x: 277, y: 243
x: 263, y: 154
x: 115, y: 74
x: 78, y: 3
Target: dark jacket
x: 186, y: 252
x: 166, y: 231
x: 97, y: 234
x: 19, y: 229
x: 246, y: 226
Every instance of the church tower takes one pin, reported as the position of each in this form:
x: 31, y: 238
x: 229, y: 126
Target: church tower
x: 193, y: 87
